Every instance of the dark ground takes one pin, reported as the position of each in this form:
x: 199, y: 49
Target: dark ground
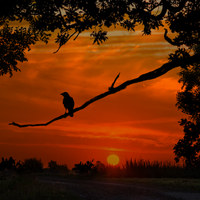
x: 128, y: 189
x: 62, y: 187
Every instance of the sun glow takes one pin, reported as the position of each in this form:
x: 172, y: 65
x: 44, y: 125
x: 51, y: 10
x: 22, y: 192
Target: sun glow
x: 113, y: 159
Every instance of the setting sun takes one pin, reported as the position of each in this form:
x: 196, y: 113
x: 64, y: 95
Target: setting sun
x: 113, y: 159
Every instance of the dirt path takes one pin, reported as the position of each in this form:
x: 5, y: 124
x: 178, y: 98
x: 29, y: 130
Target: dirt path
x: 102, y: 190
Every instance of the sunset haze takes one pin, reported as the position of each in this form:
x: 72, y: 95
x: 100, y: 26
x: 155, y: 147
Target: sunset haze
x: 140, y: 122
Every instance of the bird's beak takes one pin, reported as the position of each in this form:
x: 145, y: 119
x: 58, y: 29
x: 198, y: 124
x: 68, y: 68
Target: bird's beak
x: 61, y: 94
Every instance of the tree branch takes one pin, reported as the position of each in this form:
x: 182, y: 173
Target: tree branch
x: 178, y: 8
x: 60, y: 45
x: 169, y: 40
x: 144, y: 77
x: 163, y: 11
x: 112, y: 86
x: 167, y: 6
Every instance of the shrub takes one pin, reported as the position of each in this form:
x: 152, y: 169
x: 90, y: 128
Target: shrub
x: 54, y: 167
x: 32, y: 165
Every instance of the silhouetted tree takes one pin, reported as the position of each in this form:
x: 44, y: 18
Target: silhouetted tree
x: 11, y: 163
x: 188, y: 101
x: 36, y: 20
x: 7, y: 164
x: 2, y: 164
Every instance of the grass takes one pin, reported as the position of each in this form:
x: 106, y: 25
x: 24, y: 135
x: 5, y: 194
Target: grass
x: 26, y: 187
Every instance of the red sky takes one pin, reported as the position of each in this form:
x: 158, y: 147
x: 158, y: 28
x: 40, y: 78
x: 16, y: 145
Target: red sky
x: 139, y: 122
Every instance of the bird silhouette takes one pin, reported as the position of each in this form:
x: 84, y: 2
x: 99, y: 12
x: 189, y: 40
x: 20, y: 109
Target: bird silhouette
x: 68, y: 103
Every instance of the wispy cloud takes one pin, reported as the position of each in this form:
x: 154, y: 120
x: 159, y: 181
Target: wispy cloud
x: 122, y: 33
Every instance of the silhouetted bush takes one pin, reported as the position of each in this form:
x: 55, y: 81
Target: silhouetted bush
x: 52, y: 165
x: 99, y: 168
x: 56, y: 168
x: 137, y: 169
x: 89, y: 168
x: 32, y: 165
x: 82, y: 168
x: 132, y: 168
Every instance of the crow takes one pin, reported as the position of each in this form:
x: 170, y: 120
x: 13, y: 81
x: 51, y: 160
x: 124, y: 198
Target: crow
x: 68, y: 103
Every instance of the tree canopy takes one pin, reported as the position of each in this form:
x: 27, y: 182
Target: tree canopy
x: 24, y: 22
x: 188, y: 101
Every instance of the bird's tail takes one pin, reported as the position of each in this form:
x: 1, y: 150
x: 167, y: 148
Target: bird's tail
x: 71, y: 114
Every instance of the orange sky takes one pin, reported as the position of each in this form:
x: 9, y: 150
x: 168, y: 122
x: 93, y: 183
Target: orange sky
x: 140, y: 122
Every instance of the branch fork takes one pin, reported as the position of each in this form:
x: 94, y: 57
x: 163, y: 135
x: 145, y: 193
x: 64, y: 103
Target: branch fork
x: 112, y: 86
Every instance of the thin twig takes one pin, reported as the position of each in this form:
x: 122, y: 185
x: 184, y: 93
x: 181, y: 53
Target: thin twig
x: 65, y: 42
x: 77, y: 35
x: 112, y: 86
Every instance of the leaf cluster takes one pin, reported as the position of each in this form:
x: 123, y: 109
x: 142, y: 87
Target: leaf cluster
x: 188, y: 101
x: 188, y: 147
x: 69, y: 18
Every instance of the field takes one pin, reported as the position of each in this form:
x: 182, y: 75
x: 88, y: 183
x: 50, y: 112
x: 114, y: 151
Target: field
x: 49, y: 187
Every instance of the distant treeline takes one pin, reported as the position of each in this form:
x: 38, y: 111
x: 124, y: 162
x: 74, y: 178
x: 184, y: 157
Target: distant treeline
x: 30, y: 165
x: 131, y: 168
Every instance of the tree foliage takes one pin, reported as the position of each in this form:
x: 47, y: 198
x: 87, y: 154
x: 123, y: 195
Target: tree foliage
x: 188, y: 101
x: 24, y: 22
